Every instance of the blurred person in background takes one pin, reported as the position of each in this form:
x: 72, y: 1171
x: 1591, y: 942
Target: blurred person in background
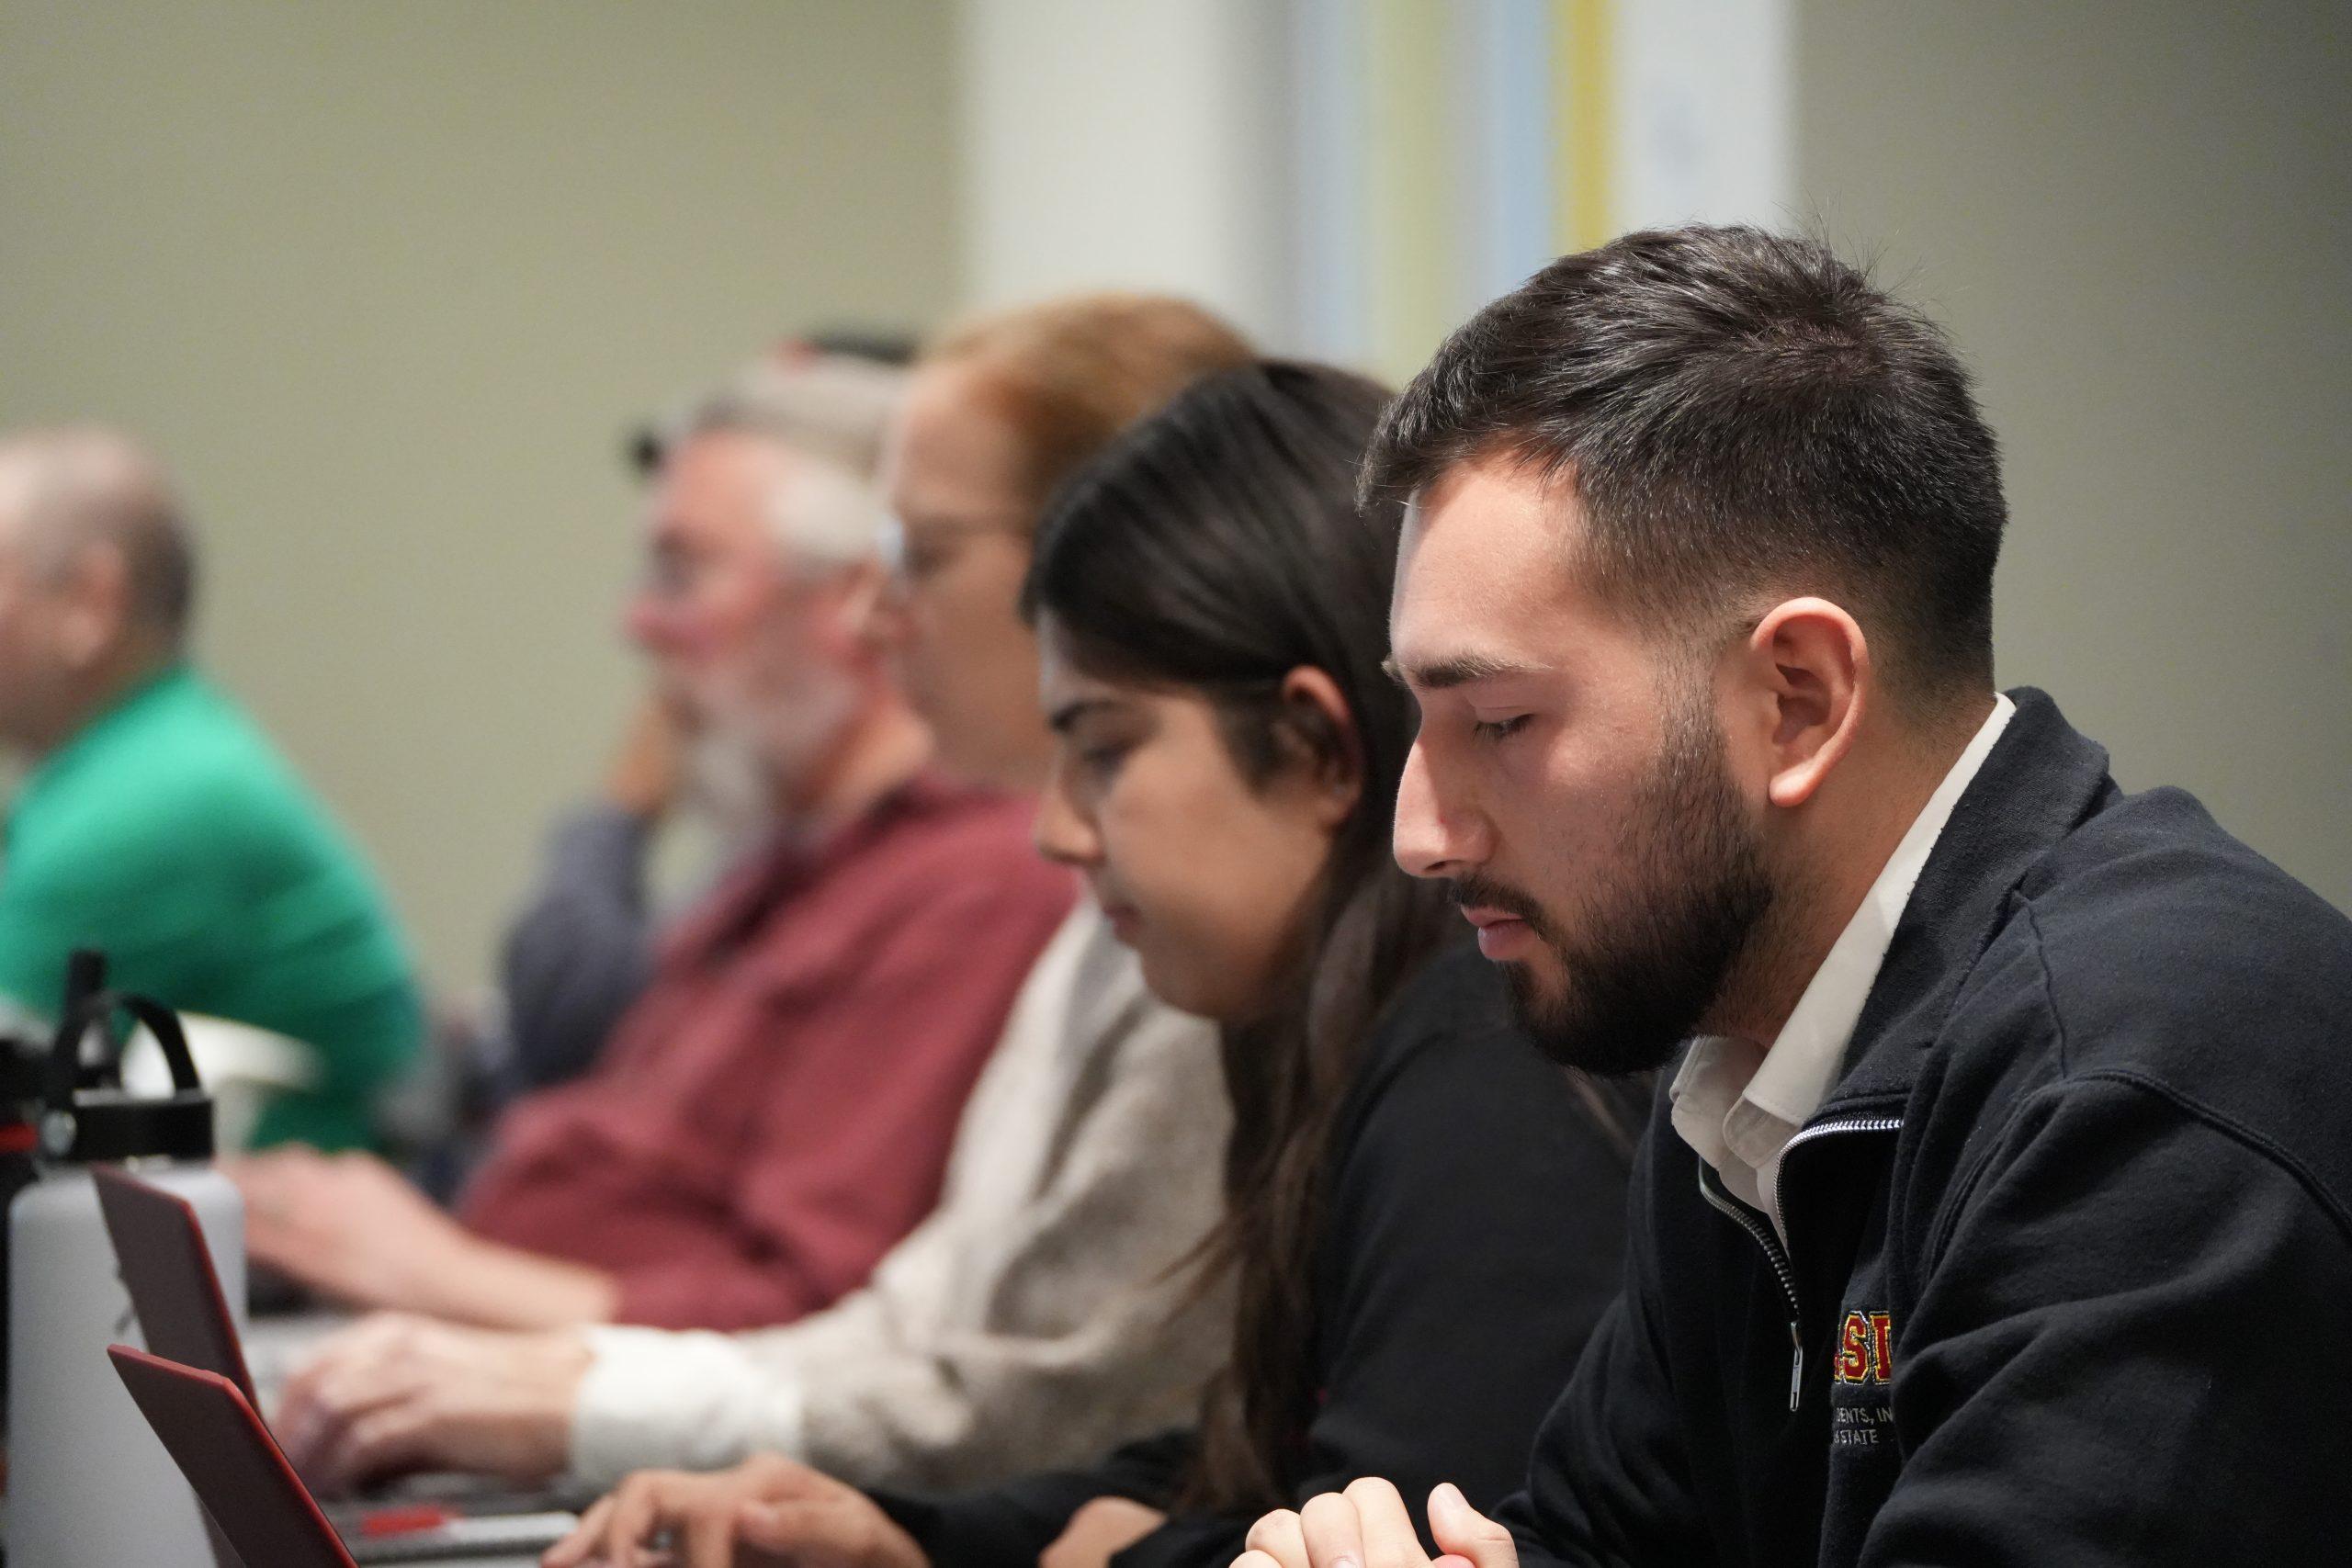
x: 582, y: 948
x: 156, y: 821
x: 1213, y: 616
x: 1042, y: 1314
x: 775, y: 1110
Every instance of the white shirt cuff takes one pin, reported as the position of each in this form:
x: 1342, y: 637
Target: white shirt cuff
x: 661, y: 1399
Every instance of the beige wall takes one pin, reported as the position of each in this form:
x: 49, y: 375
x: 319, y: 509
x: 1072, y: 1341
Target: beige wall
x: 387, y: 280
x: 2137, y: 218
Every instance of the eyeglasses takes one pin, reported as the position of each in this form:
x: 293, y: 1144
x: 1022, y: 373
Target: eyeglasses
x: 913, y: 558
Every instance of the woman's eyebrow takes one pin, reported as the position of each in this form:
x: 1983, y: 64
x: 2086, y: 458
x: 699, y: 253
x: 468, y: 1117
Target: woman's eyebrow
x: 1060, y: 720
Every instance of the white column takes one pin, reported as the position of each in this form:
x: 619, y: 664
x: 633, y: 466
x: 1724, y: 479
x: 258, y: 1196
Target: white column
x: 1704, y: 113
x: 1134, y: 143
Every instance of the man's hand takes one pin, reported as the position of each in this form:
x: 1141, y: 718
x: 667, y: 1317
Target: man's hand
x: 648, y: 770
x: 765, y: 1513
x: 350, y: 1227
x: 346, y: 1225
x: 1099, y: 1531
x: 1367, y: 1526
x: 394, y: 1394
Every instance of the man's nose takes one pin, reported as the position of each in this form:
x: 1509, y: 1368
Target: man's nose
x: 1433, y: 836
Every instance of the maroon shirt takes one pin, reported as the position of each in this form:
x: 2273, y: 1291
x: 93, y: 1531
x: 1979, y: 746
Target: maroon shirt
x: 774, y: 1113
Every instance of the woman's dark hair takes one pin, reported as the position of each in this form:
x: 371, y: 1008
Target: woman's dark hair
x: 1217, y: 547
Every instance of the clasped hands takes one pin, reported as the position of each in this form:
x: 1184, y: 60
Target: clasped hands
x: 1367, y: 1525
x: 772, y: 1511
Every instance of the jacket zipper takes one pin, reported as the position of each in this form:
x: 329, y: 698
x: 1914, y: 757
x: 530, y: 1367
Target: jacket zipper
x: 1760, y: 1228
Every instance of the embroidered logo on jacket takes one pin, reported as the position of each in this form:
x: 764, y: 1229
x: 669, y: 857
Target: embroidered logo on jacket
x: 1865, y: 1348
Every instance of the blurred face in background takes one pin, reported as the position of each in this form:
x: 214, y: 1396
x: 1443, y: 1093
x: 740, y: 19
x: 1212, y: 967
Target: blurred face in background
x: 949, y: 617
x: 21, y: 660
x: 1209, y: 874
x: 44, y: 626
x: 753, y: 647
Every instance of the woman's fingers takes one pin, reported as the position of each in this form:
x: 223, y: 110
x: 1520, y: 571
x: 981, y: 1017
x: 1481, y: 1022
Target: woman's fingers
x: 316, y: 1428
x: 573, y: 1549
x: 704, y: 1535
x: 637, y: 1514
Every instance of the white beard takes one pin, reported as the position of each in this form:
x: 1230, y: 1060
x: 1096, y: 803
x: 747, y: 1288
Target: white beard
x: 753, y: 753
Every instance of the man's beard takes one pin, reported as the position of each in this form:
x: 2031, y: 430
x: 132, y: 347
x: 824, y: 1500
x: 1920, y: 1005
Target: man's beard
x: 754, y: 754
x: 1658, y: 939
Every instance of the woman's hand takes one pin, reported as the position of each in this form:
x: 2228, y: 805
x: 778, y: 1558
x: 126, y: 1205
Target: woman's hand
x: 765, y: 1513
x: 1099, y: 1531
x: 395, y: 1393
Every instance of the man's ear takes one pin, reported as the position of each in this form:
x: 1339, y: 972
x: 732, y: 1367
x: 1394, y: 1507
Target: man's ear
x: 1810, y: 665
x: 1330, y: 747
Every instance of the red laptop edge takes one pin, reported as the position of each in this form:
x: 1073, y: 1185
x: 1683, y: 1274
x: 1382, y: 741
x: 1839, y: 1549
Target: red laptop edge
x: 238, y: 1471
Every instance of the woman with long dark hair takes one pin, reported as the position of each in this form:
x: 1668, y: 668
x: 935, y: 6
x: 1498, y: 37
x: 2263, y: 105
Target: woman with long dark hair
x: 1422, y: 1218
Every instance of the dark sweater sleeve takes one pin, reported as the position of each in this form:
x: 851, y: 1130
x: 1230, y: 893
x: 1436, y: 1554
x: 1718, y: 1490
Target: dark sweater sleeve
x: 1013, y: 1522
x: 1610, y: 1481
x: 581, y: 952
x: 2131, y: 1347
x: 1472, y: 1239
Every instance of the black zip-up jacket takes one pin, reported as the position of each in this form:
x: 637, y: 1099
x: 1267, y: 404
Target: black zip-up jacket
x: 2069, y: 1270
x: 1470, y: 1242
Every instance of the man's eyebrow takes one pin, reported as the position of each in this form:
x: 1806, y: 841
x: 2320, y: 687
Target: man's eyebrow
x: 1455, y: 670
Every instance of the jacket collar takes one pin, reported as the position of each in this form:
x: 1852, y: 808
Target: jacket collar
x: 2042, y: 778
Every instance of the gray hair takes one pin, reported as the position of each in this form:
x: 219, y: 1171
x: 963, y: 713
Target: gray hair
x: 73, y: 487
x: 831, y: 411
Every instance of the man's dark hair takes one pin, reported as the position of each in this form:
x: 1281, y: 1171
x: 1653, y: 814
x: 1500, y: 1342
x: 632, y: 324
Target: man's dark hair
x: 1738, y: 412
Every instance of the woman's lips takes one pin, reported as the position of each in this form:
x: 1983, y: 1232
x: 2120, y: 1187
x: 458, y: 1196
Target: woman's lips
x: 1500, y: 935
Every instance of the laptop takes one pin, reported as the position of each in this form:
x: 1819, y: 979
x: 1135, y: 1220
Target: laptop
x: 252, y: 1493
x: 184, y: 1315
x: 159, y: 1248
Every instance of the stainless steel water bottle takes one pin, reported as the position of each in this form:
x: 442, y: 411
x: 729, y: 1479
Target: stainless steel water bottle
x: 89, y: 1486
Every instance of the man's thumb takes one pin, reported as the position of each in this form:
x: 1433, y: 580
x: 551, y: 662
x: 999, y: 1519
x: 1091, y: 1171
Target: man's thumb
x: 1462, y: 1531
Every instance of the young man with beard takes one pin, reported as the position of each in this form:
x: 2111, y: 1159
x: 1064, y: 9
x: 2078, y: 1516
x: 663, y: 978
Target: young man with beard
x: 2006, y: 1184
x: 775, y: 1110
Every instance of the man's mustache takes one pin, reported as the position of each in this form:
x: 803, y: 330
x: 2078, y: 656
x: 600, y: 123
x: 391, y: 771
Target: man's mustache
x: 1483, y: 892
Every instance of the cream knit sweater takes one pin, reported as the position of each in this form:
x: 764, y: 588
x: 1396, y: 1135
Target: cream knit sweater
x: 1031, y: 1322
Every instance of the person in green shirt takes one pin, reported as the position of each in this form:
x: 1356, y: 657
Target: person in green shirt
x: 155, y: 820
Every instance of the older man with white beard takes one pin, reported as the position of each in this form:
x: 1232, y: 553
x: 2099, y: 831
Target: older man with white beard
x: 581, y: 948
x: 775, y: 1110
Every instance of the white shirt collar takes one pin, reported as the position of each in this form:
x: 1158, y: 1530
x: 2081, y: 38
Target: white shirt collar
x: 1739, y: 1104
